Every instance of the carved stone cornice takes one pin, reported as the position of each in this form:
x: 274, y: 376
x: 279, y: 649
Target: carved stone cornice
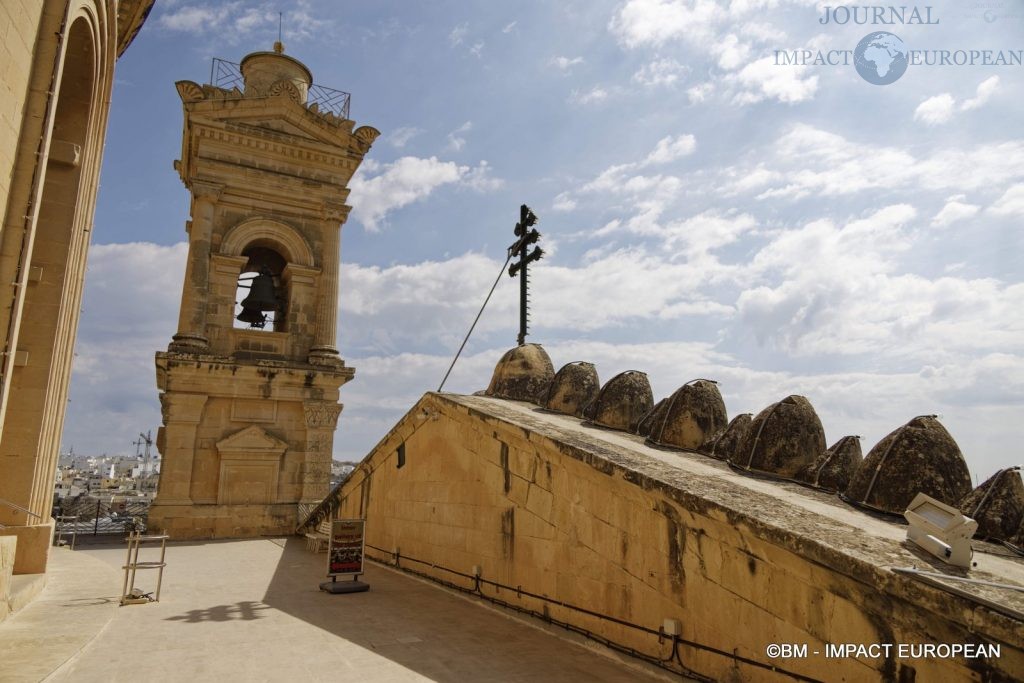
x: 242, y: 135
x: 188, y: 408
x: 204, y: 189
x: 321, y: 414
x: 335, y: 211
x: 131, y: 14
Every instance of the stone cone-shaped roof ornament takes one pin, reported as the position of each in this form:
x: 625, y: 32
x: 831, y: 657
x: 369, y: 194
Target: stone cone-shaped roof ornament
x: 833, y: 469
x: 784, y: 438
x: 521, y: 373
x: 997, y: 505
x: 726, y: 445
x: 623, y: 402
x: 691, y: 416
x: 573, y: 387
x: 920, y: 456
x: 654, y: 416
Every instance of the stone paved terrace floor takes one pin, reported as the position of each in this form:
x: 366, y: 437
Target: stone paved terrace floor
x: 251, y: 610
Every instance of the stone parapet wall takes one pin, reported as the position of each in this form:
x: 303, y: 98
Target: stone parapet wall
x: 595, y: 519
x: 34, y: 542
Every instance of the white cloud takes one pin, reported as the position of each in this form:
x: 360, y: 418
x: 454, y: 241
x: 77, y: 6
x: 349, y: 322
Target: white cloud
x: 983, y: 94
x: 1011, y: 203
x: 121, y: 327
x: 233, y: 23
x: 254, y: 17
x: 954, y: 210
x: 762, y: 79
x: 654, y: 22
x: 193, y: 19
x: 479, y: 178
x: 725, y: 33
x: 700, y: 92
x: 808, y: 161
x: 935, y: 110
x: 403, y: 182
x: 458, y: 34
x: 592, y: 96
x: 477, y: 49
x: 618, y: 178
x: 509, y: 26
x: 669, y: 149
x: 732, y: 53
x: 456, y: 141
x: 566, y: 63
x: 660, y: 72
x: 851, y: 298
x: 940, y: 108
x: 400, y: 137
x: 563, y: 202
x: 741, y: 181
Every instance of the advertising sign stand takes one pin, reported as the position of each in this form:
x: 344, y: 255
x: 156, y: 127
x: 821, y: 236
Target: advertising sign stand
x: 345, y: 553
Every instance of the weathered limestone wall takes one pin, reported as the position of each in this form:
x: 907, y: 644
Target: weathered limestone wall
x: 634, y: 538
x: 8, y: 544
x: 53, y: 161
x: 19, y: 24
x: 244, y: 445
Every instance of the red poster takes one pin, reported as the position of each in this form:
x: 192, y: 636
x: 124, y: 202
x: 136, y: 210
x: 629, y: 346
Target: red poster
x: 345, y: 555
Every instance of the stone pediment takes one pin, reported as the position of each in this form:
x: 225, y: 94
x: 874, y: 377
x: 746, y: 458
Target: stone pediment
x: 280, y: 112
x: 252, y: 440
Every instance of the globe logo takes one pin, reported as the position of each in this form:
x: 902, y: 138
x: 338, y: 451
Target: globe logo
x: 880, y: 58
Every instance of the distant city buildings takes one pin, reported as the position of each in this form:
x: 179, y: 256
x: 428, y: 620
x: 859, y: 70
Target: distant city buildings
x: 105, y: 477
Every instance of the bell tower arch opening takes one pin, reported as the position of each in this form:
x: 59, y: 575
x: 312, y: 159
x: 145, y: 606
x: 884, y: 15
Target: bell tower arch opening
x: 261, y: 298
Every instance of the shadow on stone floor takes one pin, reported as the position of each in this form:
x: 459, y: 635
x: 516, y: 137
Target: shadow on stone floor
x: 429, y: 630
x: 245, y: 609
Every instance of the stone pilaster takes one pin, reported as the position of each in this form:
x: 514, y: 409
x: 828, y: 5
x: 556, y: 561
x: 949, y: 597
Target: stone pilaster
x: 181, y: 416
x: 321, y: 419
x: 191, y: 335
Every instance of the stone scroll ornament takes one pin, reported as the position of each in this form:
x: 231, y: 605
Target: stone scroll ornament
x: 286, y: 88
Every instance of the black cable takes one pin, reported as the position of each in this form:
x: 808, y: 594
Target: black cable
x: 475, y: 320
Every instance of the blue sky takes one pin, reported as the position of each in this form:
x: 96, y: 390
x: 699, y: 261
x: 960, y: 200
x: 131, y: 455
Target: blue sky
x: 706, y: 213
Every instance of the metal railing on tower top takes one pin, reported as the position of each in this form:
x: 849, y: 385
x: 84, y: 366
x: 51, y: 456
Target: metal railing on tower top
x: 228, y: 75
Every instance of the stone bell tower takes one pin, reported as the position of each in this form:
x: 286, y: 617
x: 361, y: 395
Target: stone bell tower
x: 249, y: 408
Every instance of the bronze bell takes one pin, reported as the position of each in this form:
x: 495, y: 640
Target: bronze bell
x: 262, y: 294
x: 262, y: 297
x: 253, y: 317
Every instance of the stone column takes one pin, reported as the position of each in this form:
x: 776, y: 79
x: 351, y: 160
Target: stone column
x: 321, y: 420
x: 191, y: 334
x: 324, y: 351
